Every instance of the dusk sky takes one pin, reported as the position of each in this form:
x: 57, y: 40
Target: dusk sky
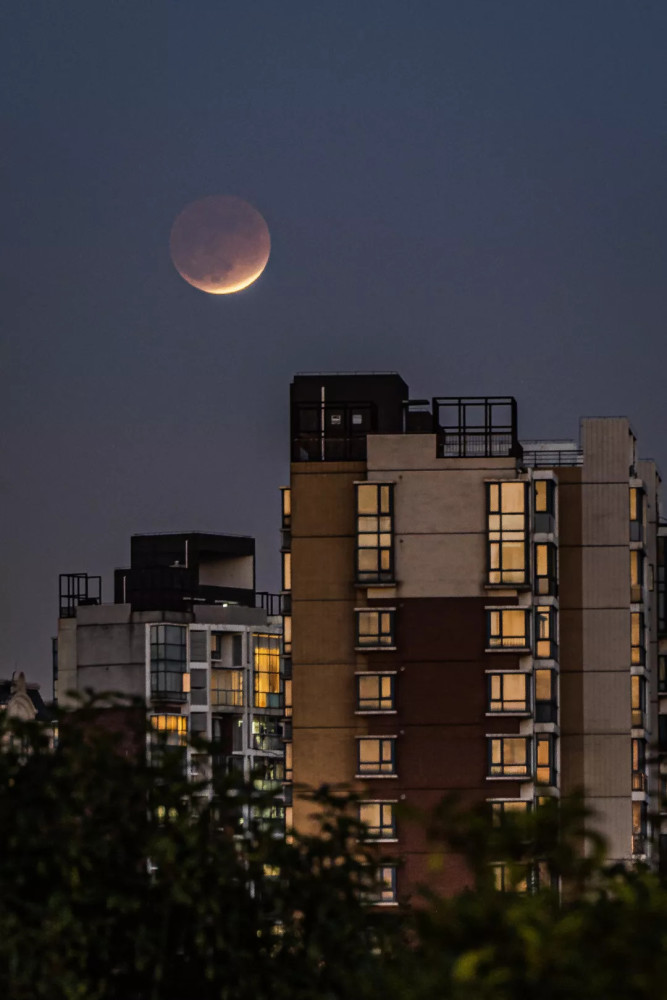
x: 472, y: 193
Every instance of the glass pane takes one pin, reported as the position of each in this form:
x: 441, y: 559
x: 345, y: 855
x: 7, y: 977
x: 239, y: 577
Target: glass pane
x: 513, y: 497
x: 369, y: 751
x: 367, y: 498
x: 515, y: 688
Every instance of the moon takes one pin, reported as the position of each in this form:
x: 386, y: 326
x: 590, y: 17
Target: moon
x: 220, y: 244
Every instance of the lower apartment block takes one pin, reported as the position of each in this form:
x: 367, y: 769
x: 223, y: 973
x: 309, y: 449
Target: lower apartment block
x: 186, y: 635
x: 470, y: 613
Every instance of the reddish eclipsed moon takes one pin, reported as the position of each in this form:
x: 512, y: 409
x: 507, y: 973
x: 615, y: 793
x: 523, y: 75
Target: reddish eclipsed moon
x: 220, y: 244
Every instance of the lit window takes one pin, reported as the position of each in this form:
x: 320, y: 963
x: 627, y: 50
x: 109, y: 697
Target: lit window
x: 638, y: 700
x: 376, y: 755
x: 375, y: 692
x: 638, y: 765
x: 637, y: 637
x: 509, y: 756
x: 375, y: 627
x: 544, y: 504
x: 545, y: 759
x: 266, y: 662
x: 546, y: 571
x: 172, y: 729
x: 383, y: 890
x: 287, y: 635
x: 286, y: 496
x: 545, y: 632
x: 287, y: 570
x: 227, y: 688
x: 636, y: 575
x: 507, y: 692
x: 507, y: 529
x: 511, y: 878
x: 267, y: 734
x: 636, y: 514
x: 375, y: 533
x: 546, y: 698
x: 507, y: 628
x: 500, y: 809
x: 379, y: 818
x: 168, y: 661
x: 639, y: 827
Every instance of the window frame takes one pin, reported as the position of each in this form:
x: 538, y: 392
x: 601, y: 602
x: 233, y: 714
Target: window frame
x: 502, y: 536
x: 385, y: 761
x: 637, y: 648
x: 375, y: 639
x: 545, y: 584
x: 637, y: 562
x: 546, y: 646
x: 636, y: 513
x: 548, y: 740
x: 161, y: 687
x: 544, y: 517
x: 386, y: 831
x: 380, y: 574
x: 638, y: 701
x: 501, y: 676
x: 638, y: 750
x: 378, y: 708
x: 546, y: 709
x: 500, y: 646
x: 502, y: 772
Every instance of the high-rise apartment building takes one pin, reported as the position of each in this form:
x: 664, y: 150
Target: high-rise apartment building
x: 470, y: 612
x: 188, y: 633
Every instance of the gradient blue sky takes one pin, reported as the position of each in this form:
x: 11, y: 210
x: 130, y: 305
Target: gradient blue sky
x: 471, y: 193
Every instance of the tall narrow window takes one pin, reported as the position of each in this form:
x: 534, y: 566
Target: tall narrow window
x: 546, y: 698
x: 509, y: 756
x: 286, y: 497
x: 507, y: 628
x: 662, y: 674
x: 375, y: 532
x: 507, y: 531
x: 545, y: 759
x: 544, y: 504
x: 168, y: 661
x: 638, y: 701
x: 546, y: 647
x: 637, y: 637
x: 266, y: 662
x: 639, y: 827
x: 375, y: 627
x: 638, y: 765
x: 507, y: 693
x: 546, y: 570
x: 636, y: 514
x: 287, y: 570
x: 636, y: 575
x: 287, y: 635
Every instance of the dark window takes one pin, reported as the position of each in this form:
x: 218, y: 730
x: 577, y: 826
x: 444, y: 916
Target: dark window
x: 507, y: 549
x: 545, y: 759
x: 636, y: 514
x: 385, y: 888
x: 267, y: 735
x: 507, y: 693
x: 168, y: 661
x: 546, y: 570
x: 376, y: 755
x: 375, y: 692
x: 507, y: 628
x: 375, y: 533
x: 198, y: 644
x: 662, y: 674
x: 546, y: 697
x: 544, y: 504
x: 662, y: 733
x: 198, y: 686
x: 375, y: 627
x: 379, y: 818
x: 662, y: 587
x: 546, y: 647
x: 508, y: 756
